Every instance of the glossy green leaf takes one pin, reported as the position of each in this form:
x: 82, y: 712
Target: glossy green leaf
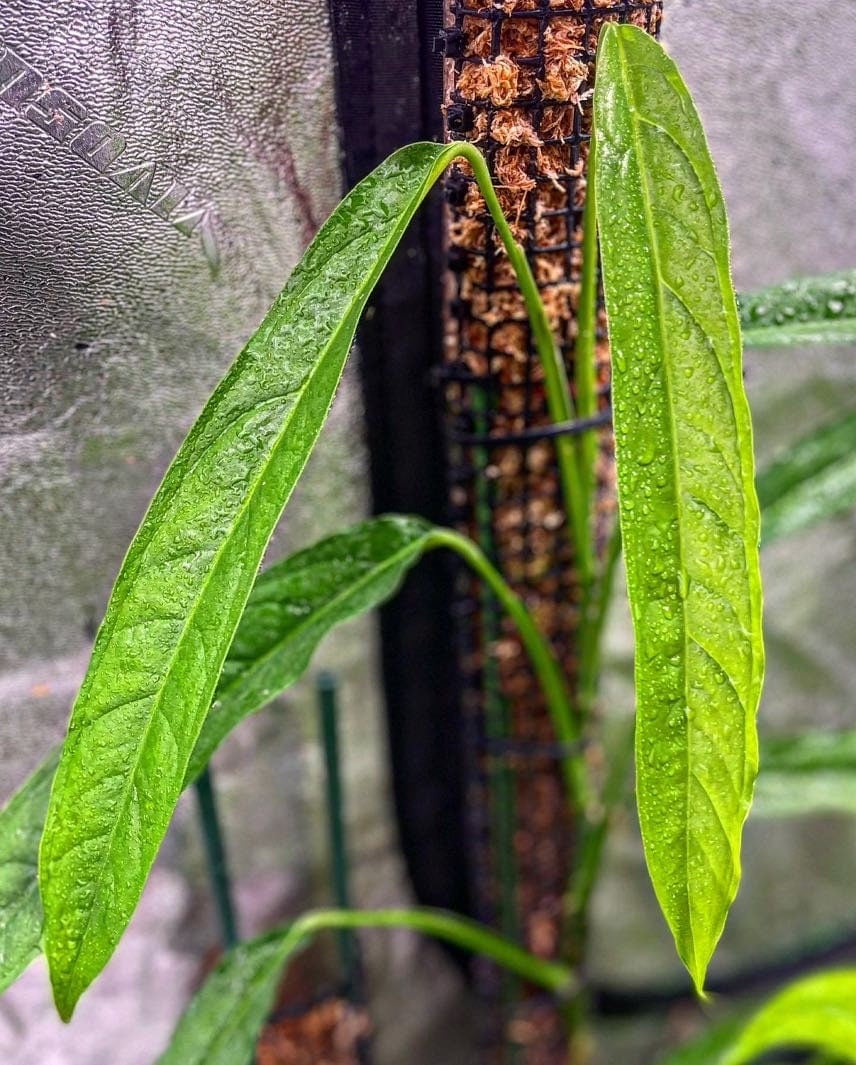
x: 188, y: 573
x: 293, y: 605
x: 808, y: 773
x: 689, y: 515
x: 20, y: 907
x: 809, y: 310
x: 222, y: 1024
x: 814, y: 479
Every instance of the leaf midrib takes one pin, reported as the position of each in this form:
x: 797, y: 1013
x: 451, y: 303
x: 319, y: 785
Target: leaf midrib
x: 659, y: 281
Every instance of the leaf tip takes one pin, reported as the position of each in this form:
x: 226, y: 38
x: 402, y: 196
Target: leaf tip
x: 65, y: 999
x: 696, y: 966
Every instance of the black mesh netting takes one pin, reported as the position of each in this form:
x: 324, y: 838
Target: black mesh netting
x: 519, y: 77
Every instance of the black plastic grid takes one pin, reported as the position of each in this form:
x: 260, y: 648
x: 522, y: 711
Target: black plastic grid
x: 503, y: 481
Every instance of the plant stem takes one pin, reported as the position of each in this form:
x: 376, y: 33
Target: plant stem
x: 559, y: 401
x: 585, y: 355
x: 591, y: 634
x: 496, y: 717
x: 592, y: 841
x: 460, y: 931
x: 547, y: 669
x: 585, y: 367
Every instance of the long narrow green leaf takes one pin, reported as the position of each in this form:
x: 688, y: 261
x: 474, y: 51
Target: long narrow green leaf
x: 816, y: 1013
x: 809, y: 310
x: 294, y: 604
x: 689, y: 515
x: 188, y: 573
x: 222, y: 1024
x: 20, y: 907
x: 814, y: 479
x: 807, y: 773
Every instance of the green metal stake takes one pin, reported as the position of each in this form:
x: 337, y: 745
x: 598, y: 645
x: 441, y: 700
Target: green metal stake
x: 501, y: 782
x: 215, y: 853
x: 327, y: 688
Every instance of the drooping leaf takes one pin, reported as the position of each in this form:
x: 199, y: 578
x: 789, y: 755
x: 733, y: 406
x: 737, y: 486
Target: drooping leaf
x: 293, y: 605
x: 689, y: 515
x: 20, y: 907
x: 188, y: 573
x: 224, y: 1020
x: 222, y: 1024
x: 814, y: 479
x: 808, y: 773
x: 809, y: 310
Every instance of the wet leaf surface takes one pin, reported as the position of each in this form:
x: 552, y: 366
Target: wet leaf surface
x: 810, y: 310
x: 295, y: 604
x: 689, y: 516
x: 190, y: 568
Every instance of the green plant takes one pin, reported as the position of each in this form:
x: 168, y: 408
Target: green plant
x: 192, y: 641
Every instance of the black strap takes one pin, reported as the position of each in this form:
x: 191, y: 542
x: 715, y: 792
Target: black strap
x: 389, y: 94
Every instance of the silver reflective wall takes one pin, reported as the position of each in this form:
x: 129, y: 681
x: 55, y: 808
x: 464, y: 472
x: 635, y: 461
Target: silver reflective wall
x: 162, y: 166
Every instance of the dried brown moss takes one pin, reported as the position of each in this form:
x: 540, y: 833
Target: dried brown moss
x: 523, y: 93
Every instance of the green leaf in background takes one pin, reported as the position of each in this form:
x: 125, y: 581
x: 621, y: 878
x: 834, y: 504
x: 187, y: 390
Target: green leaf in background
x: 187, y: 575
x: 223, y: 1022
x: 21, y: 825
x: 810, y: 310
x: 816, y: 1013
x: 708, y: 1048
x: 814, y: 479
x: 295, y: 603
x: 689, y: 515
x: 807, y: 773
